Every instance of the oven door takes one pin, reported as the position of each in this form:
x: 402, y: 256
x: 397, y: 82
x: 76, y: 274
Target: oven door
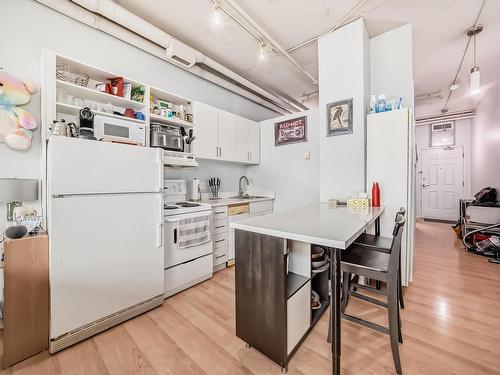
x: 175, y: 255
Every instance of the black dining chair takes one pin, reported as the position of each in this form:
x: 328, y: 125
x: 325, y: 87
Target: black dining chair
x: 382, y: 266
x: 381, y: 243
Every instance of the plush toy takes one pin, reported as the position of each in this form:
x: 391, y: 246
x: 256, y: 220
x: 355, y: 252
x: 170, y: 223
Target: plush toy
x: 15, y: 123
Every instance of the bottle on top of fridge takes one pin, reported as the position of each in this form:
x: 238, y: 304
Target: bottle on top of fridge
x: 380, y: 106
x: 373, y: 103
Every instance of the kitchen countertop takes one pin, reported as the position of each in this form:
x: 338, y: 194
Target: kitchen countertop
x: 228, y: 201
x: 317, y: 223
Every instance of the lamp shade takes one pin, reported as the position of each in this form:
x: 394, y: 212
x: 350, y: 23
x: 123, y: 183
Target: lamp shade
x: 18, y: 190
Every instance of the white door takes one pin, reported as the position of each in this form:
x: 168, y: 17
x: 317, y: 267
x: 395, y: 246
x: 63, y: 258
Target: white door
x: 254, y: 136
x: 243, y: 139
x: 442, y: 182
x: 205, y: 129
x: 227, y: 135
x: 106, y: 255
x: 80, y: 166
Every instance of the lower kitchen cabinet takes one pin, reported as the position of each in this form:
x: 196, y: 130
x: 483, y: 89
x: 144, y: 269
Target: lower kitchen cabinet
x: 261, y: 208
x: 223, y: 235
x: 220, y: 237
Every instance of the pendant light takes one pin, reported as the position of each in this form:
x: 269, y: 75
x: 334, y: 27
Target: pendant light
x: 475, y: 74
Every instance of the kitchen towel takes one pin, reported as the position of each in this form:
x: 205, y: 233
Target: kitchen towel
x: 194, y: 231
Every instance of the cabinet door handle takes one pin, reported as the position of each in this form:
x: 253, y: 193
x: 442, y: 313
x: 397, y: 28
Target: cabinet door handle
x: 175, y: 235
x: 217, y: 241
x: 220, y: 226
x: 220, y: 256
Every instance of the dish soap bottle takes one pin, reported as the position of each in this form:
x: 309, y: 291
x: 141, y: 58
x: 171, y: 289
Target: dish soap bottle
x: 380, y: 106
x: 373, y: 103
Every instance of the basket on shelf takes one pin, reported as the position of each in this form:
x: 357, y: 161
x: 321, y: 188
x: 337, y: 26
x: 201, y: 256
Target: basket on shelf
x: 65, y: 73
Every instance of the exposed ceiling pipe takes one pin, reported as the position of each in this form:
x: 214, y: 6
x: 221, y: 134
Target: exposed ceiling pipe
x: 76, y: 12
x: 270, y: 39
x: 452, y: 116
x: 124, y: 17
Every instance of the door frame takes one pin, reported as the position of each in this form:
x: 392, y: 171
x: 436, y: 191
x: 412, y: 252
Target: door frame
x: 418, y: 179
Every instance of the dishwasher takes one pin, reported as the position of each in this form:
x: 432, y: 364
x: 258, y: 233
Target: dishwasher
x: 236, y: 212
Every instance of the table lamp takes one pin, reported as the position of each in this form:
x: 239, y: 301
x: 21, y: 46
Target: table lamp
x: 15, y: 190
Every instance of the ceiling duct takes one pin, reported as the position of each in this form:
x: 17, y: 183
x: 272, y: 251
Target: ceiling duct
x: 181, y: 53
x: 452, y: 116
x: 111, y: 18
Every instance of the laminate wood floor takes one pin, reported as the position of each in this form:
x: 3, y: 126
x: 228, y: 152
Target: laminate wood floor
x: 451, y: 326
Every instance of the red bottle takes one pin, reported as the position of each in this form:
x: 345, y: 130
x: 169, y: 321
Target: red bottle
x: 375, y: 195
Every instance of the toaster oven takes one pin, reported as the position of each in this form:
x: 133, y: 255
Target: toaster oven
x: 166, y: 137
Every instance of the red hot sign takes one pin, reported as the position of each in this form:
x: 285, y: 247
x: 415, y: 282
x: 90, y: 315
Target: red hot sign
x: 290, y: 131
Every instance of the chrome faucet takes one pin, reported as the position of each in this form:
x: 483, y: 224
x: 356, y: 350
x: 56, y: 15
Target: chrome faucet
x: 240, y: 190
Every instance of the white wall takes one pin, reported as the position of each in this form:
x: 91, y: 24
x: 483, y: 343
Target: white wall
x: 228, y: 173
x: 391, y: 65
x: 284, y: 170
x: 344, y: 73
x: 486, y: 142
x: 463, y: 134
x: 34, y: 27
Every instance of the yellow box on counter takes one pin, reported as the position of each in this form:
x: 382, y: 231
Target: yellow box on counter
x: 358, y: 202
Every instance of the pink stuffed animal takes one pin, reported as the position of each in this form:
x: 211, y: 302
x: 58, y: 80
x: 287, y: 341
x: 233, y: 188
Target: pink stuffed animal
x: 15, y: 123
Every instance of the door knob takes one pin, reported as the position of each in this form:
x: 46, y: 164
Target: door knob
x: 424, y: 185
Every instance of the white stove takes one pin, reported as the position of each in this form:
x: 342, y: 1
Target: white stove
x: 188, y: 242
x: 175, y: 203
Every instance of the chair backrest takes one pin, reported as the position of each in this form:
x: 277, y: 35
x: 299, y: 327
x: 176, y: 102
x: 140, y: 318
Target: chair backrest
x: 402, y: 211
x: 396, y: 241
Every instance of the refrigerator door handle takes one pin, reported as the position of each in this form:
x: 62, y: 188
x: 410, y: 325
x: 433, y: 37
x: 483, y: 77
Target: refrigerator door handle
x: 159, y: 235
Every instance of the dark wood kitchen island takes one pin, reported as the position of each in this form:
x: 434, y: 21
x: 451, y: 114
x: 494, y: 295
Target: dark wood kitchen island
x: 274, y: 277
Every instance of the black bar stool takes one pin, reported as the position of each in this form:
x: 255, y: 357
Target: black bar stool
x: 381, y: 266
x: 383, y: 244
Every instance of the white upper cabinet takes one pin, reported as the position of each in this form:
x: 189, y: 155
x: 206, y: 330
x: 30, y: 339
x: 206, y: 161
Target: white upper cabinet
x: 206, y: 143
x: 227, y: 136
x: 247, y: 143
x: 254, y: 138
x: 222, y: 135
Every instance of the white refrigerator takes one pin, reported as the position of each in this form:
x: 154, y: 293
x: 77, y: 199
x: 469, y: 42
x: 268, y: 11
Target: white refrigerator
x: 390, y: 161
x: 105, y: 225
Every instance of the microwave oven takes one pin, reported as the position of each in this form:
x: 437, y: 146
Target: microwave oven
x: 119, y: 130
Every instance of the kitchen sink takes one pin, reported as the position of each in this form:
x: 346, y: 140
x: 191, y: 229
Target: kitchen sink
x: 249, y: 197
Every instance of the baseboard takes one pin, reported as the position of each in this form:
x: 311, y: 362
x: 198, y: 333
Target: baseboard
x: 440, y: 221
x: 82, y: 333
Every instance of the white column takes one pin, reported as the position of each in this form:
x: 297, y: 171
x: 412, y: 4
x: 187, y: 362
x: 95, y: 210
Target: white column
x: 344, y: 73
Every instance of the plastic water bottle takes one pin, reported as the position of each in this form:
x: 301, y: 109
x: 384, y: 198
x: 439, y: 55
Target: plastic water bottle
x: 380, y: 106
x: 373, y: 103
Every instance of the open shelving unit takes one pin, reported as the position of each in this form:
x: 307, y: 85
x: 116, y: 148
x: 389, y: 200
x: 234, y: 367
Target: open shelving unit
x: 74, y: 110
x: 58, y: 99
x: 320, y: 284
x: 176, y: 102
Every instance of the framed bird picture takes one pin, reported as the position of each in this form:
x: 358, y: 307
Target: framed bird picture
x: 339, y: 118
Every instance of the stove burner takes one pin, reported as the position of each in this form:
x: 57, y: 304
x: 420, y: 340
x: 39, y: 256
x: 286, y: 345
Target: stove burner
x: 170, y: 207
x: 187, y: 204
